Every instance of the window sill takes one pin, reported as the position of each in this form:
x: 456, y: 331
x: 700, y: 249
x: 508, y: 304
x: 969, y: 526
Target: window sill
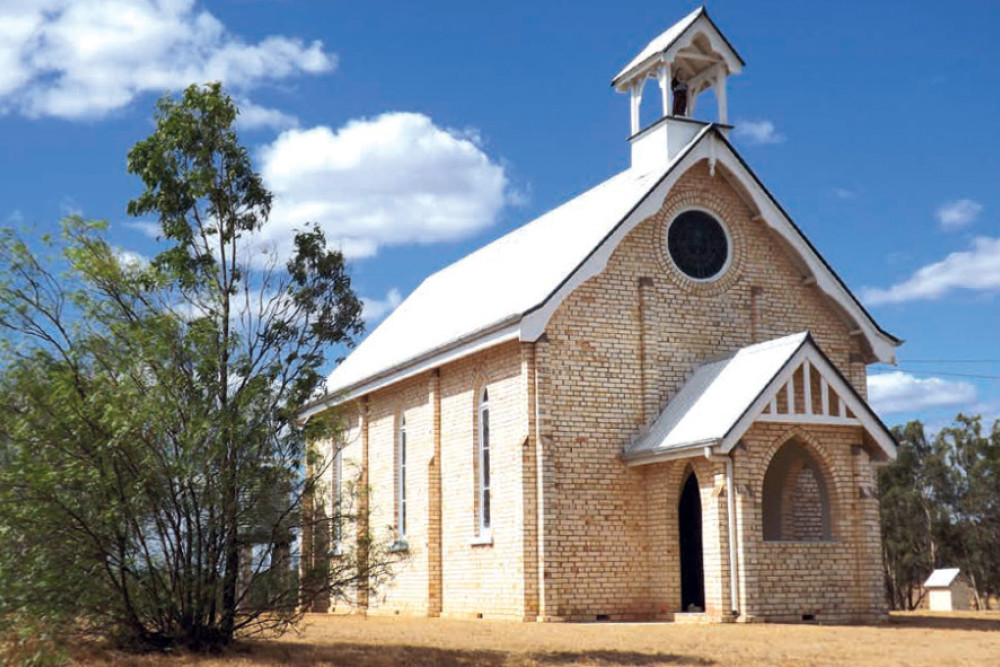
x: 483, y: 540
x: 399, y: 546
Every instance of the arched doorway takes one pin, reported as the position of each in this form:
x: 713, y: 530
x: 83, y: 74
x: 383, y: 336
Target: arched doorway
x: 692, y: 560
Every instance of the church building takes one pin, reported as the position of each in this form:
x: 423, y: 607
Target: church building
x: 648, y: 403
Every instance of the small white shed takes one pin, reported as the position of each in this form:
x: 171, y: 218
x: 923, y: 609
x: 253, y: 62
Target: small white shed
x: 946, y: 591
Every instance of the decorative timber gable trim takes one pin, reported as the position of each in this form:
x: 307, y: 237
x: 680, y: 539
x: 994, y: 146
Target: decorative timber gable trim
x: 806, y: 388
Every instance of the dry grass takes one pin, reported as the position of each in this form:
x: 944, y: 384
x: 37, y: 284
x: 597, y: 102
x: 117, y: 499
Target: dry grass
x: 919, y: 638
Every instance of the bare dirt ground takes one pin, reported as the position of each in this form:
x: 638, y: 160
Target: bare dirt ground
x: 919, y: 638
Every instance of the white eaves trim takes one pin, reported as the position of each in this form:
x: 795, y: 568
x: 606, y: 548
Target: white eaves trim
x: 534, y: 322
x: 438, y: 358
x: 883, y: 345
x: 622, y: 203
x: 710, y: 145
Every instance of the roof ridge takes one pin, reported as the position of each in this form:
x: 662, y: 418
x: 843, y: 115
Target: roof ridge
x: 755, y: 348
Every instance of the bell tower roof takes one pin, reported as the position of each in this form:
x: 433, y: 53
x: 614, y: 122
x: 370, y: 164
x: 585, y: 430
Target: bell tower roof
x: 692, y: 45
x: 689, y: 58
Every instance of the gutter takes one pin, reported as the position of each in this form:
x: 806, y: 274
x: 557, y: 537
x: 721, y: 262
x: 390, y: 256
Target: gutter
x: 431, y: 359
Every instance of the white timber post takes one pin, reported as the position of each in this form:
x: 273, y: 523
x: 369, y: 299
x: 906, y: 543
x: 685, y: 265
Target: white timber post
x: 664, y: 78
x: 636, y: 103
x: 720, y: 97
x: 790, y: 393
x: 807, y: 386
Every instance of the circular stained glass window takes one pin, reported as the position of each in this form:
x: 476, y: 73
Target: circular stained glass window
x: 698, y: 245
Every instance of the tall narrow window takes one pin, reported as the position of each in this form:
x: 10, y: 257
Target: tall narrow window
x: 484, y: 462
x: 401, y: 479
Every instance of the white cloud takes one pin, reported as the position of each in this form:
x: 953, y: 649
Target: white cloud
x: 389, y: 180
x: 957, y: 214
x: 254, y: 116
x: 843, y: 193
x: 130, y: 259
x: 974, y: 269
x: 15, y: 217
x: 901, y: 392
x: 758, y: 132
x: 375, y: 309
x: 86, y: 58
x: 150, y: 229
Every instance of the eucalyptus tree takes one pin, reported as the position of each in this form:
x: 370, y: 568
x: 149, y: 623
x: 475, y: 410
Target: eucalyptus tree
x: 153, y: 482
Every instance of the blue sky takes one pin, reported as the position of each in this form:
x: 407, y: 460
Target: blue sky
x: 416, y: 132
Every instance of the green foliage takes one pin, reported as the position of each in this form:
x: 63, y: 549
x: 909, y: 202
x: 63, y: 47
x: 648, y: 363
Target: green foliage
x: 152, y: 487
x: 31, y: 641
x: 940, y: 504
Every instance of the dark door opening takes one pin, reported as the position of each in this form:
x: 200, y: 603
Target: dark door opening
x: 692, y: 563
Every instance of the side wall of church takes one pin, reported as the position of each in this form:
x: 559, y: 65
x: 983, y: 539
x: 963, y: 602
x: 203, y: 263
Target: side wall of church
x: 617, y: 349
x: 483, y: 578
x: 477, y: 575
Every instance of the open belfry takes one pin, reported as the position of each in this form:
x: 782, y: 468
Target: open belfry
x: 648, y: 403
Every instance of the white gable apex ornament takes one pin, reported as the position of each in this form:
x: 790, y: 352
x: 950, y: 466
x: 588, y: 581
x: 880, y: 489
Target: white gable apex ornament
x: 723, y: 398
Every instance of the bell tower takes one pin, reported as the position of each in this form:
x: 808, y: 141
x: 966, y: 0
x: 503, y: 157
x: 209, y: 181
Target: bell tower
x: 690, y: 58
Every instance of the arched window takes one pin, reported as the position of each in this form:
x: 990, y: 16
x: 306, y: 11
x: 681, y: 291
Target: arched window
x: 401, y: 479
x: 483, y: 461
x: 796, y: 499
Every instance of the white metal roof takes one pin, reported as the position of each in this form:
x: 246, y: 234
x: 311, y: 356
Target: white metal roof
x: 666, y: 39
x: 724, y: 397
x: 508, y: 289
x: 942, y: 578
x: 497, y: 283
x: 708, y: 406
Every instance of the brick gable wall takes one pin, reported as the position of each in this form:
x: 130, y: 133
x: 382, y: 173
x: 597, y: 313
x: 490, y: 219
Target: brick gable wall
x: 617, y: 350
x: 576, y: 534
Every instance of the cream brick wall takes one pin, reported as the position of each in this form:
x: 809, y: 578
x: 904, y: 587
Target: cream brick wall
x: 576, y: 534
x: 485, y: 579
x: 839, y: 580
x: 477, y: 578
x: 407, y: 592
x: 617, y: 350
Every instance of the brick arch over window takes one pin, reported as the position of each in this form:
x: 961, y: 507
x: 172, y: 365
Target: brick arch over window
x: 796, y: 495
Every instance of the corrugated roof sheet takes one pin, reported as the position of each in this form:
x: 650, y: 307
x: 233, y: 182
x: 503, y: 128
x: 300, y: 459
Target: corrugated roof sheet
x: 941, y: 578
x: 496, y: 283
x: 662, y: 42
x: 713, y: 400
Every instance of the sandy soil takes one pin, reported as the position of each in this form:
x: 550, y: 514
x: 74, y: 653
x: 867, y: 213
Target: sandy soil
x: 909, y: 639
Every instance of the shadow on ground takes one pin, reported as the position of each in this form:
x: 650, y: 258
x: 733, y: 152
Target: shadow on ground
x: 367, y: 655
x: 934, y: 622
